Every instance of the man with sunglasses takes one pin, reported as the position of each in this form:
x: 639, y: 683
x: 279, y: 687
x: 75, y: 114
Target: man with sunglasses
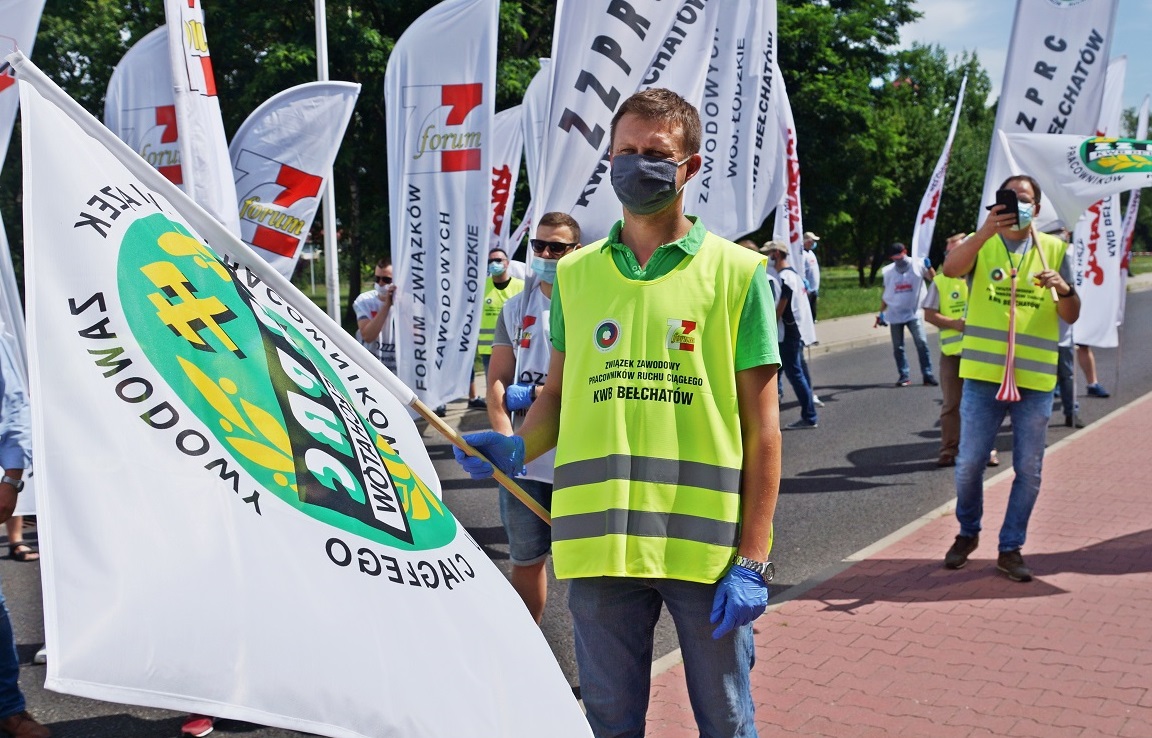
x: 661, y: 403
x: 374, y: 318
x: 498, y: 289
x: 521, y: 352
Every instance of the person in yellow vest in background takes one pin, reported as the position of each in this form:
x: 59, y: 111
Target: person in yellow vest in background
x: 521, y: 352
x: 498, y: 288
x: 944, y: 307
x: 1020, y: 289
x: 661, y: 404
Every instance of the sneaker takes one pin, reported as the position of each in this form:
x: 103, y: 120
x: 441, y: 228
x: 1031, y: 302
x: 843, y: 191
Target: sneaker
x: 931, y: 382
x: 946, y: 460
x: 477, y: 403
x: 1097, y: 390
x: 1012, y: 564
x: 41, y: 656
x: 957, y: 556
x: 1073, y: 421
x: 23, y: 725
x: 801, y: 425
x: 197, y: 725
x: 902, y: 382
x: 440, y: 410
x: 816, y: 400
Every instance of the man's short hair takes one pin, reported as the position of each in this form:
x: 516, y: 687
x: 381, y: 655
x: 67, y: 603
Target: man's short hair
x: 556, y: 219
x: 1024, y: 178
x: 658, y: 103
x: 384, y: 263
x: 497, y: 250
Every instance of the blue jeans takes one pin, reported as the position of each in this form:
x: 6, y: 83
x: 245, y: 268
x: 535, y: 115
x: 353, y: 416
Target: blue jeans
x: 11, y: 698
x: 792, y: 362
x: 613, y: 619
x: 980, y: 417
x: 529, y: 537
x: 916, y: 328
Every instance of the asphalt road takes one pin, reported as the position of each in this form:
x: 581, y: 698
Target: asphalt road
x: 867, y: 471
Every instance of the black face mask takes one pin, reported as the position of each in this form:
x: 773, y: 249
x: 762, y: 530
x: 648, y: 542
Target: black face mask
x: 644, y: 184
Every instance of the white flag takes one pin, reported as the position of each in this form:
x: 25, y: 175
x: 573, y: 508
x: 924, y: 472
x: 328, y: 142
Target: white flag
x: 789, y: 224
x: 279, y: 157
x: 1053, y: 79
x: 140, y: 106
x: 677, y: 66
x: 507, y: 152
x: 535, y: 108
x: 1096, y: 239
x: 19, y: 20
x: 1076, y: 171
x: 602, y: 51
x: 440, y: 83
x: 738, y: 184
x: 1128, y: 229
x: 205, y: 165
x: 277, y: 470
x: 930, y: 203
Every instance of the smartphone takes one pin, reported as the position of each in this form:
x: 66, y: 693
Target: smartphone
x: 1007, y: 198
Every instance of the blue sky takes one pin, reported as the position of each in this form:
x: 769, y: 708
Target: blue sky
x: 985, y: 26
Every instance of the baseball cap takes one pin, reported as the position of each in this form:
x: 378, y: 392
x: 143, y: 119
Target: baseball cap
x: 811, y: 235
x: 896, y: 249
x: 774, y: 246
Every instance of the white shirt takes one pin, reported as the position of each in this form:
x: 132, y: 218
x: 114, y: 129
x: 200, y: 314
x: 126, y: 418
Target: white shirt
x: 384, y: 347
x: 811, y: 271
x: 902, y: 291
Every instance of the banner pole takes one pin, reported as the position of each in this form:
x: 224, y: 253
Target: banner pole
x: 328, y: 201
x: 214, y: 231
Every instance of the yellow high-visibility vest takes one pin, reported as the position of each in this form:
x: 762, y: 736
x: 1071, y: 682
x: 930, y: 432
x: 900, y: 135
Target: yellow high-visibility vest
x: 953, y: 304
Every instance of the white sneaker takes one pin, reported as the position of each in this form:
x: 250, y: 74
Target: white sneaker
x: 41, y: 656
x: 817, y: 401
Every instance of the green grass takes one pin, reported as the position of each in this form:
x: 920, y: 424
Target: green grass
x: 841, y: 293
x: 1140, y: 264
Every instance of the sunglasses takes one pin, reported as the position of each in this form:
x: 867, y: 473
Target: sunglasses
x: 383, y: 280
x: 495, y: 261
x: 556, y: 248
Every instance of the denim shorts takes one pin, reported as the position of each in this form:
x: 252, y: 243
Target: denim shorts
x: 529, y: 537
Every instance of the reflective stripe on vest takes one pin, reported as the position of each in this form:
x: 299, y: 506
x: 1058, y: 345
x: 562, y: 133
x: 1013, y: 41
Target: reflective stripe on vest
x: 985, y: 345
x: 649, y: 454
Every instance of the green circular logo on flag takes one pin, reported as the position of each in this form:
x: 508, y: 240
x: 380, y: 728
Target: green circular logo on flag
x: 273, y: 403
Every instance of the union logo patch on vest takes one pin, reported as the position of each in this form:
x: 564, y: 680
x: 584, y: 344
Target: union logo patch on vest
x: 607, y: 335
x: 681, y: 335
x: 998, y: 275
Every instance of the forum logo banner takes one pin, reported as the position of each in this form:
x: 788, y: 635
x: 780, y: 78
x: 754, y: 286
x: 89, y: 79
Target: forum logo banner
x: 279, y: 156
x: 440, y: 84
x: 140, y: 106
x: 203, y: 409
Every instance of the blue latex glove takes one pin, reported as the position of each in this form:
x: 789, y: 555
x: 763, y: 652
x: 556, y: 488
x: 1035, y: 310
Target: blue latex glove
x: 927, y: 263
x: 518, y: 396
x: 741, y: 597
x: 506, y: 453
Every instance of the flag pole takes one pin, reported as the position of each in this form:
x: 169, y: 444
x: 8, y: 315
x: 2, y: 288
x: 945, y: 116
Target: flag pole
x: 215, y: 232
x: 328, y: 201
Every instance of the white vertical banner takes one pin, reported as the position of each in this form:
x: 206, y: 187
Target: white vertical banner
x: 1096, y: 239
x: 537, y: 98
x: 676, y: 66
x: 440, y: 84
x: 1053, y: 79
x: 789, y: 224
x: 738, y: 184
x: 140, y: 105
x: 1128, y: 229
x: 601, y: 53
x: 295, y: 488
x: 930, y: 203
x: 19, y: 20
x: 205, y: 165
x: 280, y: 156
x: 507, y: 153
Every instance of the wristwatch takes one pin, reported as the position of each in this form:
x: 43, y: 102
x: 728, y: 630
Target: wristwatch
x: 17, y: 483
x: 765, y: 569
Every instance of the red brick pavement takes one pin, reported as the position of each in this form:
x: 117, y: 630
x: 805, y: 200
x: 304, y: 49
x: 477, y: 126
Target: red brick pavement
x: 898, y: 645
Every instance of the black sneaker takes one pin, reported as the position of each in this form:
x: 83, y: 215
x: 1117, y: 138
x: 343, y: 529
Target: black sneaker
x: 477, y: 403
x: 931, y: 382
x: 1073, y: 421
x: 441, y: 411
x: 1012, y: 564
x: 957, y: 556
x: 902, y: 382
